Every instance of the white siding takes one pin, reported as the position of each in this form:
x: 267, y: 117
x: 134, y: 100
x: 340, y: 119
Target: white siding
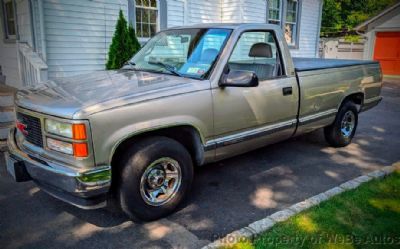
x: 189, y: 12
x: 254, y: 11
x: 231, y: 11
x: 176, y: 13
x: 206, y: 11
x: 244, y: 11
x: 308, y: 29
x: 79, y: 33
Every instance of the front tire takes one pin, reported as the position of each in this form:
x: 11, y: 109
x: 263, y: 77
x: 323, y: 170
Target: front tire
x: 156, y: 176
x: 342, y: 130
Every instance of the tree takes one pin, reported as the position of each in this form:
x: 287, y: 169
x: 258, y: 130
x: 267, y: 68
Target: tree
x: 135, y: 45
x: 340, y: 16
x: 331, y: 19
x: 124, y: 44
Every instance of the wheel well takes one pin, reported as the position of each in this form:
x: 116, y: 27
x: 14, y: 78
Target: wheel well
x: 188, y: 136
x: 357, y: 98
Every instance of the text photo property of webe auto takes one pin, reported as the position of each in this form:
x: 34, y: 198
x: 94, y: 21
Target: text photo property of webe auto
x: 215, y: 124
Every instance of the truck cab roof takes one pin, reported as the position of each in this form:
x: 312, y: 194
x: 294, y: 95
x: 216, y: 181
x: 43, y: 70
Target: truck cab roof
x: 230, y: 26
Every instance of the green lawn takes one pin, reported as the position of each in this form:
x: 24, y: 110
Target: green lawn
x: 368, y: 217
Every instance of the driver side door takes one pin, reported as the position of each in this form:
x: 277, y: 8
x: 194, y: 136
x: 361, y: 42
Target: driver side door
x: 246, y: 118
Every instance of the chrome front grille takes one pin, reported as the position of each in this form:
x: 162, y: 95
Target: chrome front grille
x: 33, y: 129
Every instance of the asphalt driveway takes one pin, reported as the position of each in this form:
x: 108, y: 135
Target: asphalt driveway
x: 226, y: 195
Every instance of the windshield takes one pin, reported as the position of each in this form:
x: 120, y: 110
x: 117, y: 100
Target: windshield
x: 184, y: 52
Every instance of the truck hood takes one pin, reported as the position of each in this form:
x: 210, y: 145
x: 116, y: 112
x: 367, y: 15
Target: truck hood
x: 79, y: 96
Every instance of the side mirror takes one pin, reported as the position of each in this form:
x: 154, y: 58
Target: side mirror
x: 239, y: 78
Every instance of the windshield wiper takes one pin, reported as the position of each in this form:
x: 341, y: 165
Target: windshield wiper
x: 167, y: 67
x: 129, y: 65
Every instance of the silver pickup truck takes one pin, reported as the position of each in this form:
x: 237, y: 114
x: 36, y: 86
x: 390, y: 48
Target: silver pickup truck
x: 191, y: 96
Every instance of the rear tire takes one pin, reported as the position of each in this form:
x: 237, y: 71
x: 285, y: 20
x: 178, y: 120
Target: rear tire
x: 342, y: 130
x: 156, y: 176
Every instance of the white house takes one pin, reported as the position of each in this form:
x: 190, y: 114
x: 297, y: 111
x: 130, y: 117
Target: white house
x: 383, y: 39
x: 45, y: 39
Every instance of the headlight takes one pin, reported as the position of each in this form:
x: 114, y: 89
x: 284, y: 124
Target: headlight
x: 74, y: 131
x: 67, y: 130
x: 58, y: 128
x: 60, y: 146
x: 75, y: 149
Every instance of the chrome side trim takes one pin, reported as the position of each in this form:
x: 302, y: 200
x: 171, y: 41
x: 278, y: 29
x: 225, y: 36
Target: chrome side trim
x: 318, y: 116
x: 249, y: 134
x: 263, y: 131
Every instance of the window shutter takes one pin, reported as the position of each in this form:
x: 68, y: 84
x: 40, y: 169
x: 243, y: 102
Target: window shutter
x: 132, y: 13
x: 163, y: 14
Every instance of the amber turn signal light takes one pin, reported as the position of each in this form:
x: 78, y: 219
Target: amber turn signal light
x: 80, y: 150
x: 79, y: 132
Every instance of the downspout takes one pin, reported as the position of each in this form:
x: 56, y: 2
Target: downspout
x: 42, y: 31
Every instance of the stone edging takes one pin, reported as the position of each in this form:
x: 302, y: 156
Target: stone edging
x: 256, y: 228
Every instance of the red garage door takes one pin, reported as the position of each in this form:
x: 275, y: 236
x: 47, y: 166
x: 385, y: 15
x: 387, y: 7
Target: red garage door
x: 387, y: 52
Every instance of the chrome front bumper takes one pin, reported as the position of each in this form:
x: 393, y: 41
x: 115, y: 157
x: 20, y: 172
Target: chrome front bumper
x: 82, y: 188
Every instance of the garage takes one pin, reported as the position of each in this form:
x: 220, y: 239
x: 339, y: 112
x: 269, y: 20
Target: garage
x: 387, y: 52
x: 382, y: 35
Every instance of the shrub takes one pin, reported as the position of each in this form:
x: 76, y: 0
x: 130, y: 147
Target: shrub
x: 124, y: 44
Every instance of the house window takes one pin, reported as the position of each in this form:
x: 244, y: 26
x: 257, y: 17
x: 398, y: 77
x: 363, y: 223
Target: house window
x: 285, y: 13
x: 291, y: 22
x: 275, y: 9
x: 146, y: 18
x: 9, y: 19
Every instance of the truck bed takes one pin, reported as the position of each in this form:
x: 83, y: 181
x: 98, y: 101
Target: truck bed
x: 309, y: 64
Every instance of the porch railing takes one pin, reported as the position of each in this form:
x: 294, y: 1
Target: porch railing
x: 33, y: 69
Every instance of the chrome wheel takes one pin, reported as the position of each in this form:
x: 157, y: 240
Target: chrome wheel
x: 160, y: 181
x: 348, y: 123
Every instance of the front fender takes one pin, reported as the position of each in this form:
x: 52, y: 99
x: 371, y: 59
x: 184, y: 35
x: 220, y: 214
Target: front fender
x: 119, y: 136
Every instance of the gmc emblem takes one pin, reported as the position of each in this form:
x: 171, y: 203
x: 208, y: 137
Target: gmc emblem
x: 22, y: 127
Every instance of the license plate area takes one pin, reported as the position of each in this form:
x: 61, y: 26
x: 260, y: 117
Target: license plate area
x: 16, y: 169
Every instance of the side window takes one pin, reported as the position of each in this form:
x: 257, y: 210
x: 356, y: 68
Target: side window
x: 257, y: 52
